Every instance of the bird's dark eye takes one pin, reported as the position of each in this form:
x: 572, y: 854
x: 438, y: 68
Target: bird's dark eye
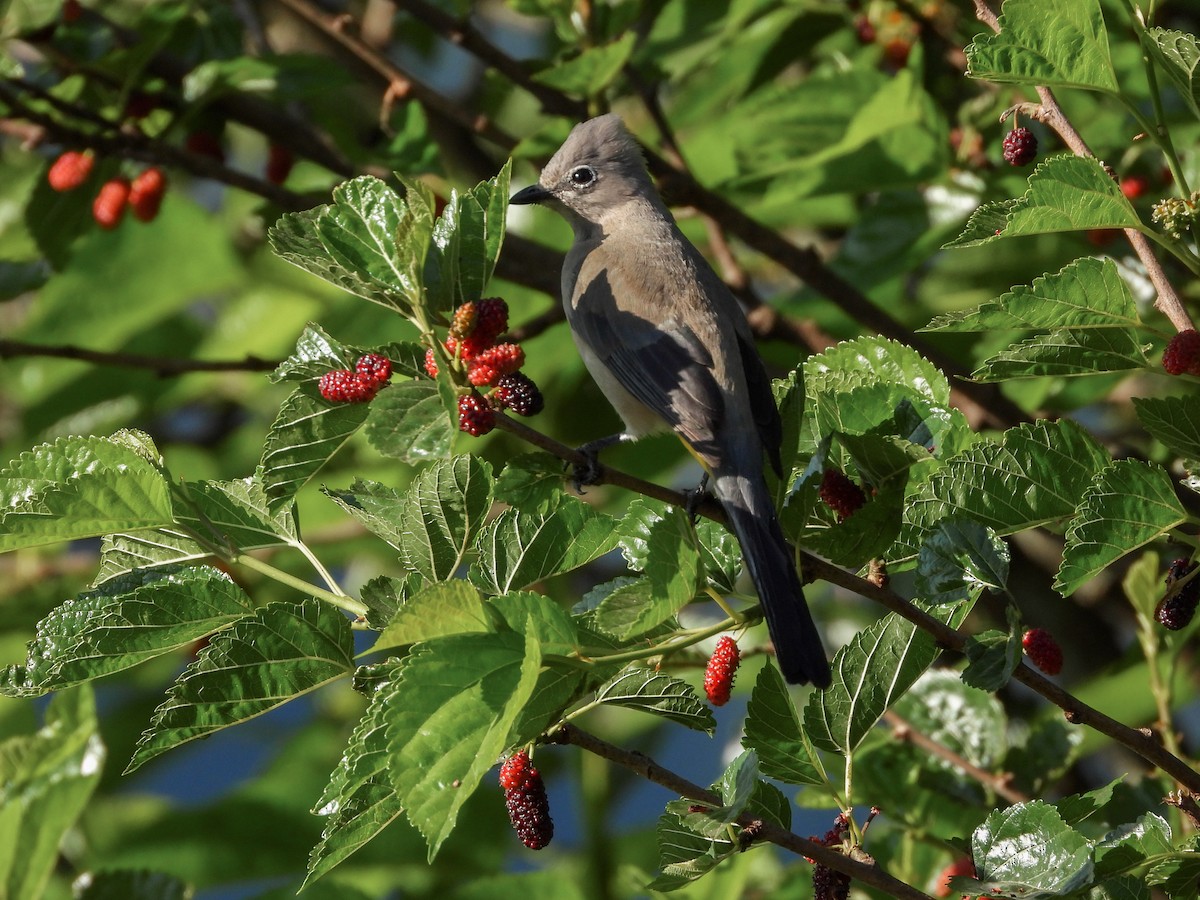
x: 582, y: 176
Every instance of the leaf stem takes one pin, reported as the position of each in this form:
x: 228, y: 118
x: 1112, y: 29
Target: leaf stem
x: 666, y: 648
x: 341, y: 601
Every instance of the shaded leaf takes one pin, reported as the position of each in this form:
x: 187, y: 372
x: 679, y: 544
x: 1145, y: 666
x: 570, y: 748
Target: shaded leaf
x: 958, y: 559
x: 1178, y: 53
x: 992, y: 657
x: 658, y: 694
x: 1067, y: 353
x: 773, y: 731
x: 1173, y: 420
x: 408, y: 421
x: 130, y: 885
x: 592, y: 71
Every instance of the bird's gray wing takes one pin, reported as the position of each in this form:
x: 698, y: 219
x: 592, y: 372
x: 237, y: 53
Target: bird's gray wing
x: 762, y: 402
x: 662, y: 364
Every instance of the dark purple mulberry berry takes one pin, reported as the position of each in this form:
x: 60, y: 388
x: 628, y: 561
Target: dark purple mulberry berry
x: 1176, y: 610
x: 1020, y: 147
x: 526, y: 801
x: 518, y: 392
x: 1183, y: 354
x: 840, y: 494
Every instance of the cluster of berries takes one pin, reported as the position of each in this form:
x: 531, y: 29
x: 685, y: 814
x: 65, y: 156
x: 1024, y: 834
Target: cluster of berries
x: 143, y: 195
x: 1043, y: 650
x: 1020, y: 147
x: 472, y: 342
x: 371, y: 372
x: 829, y: 884
x: 1177, y: 609
x: 840, y: 494
x: 718, y: 674
x: 525, y: 798
x: 1182, y: 355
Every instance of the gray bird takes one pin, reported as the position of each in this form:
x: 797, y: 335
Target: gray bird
x: 669, y: 346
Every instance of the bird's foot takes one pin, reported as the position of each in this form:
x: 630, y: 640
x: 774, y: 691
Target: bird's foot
x: 590, y: 470
x: 695, y: 497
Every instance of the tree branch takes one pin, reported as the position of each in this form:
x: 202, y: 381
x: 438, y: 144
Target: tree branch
x: 643, y: 765
x: 162, y: 366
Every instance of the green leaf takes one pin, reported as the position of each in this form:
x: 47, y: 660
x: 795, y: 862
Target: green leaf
x: 773, y: 731
x: 359, y: 801
x: 1178, y: 54
x: 434, y: 523
x: 518, y: 548
x: 130, y: 885
x: 466, y: 243
x: 449, y: 715
x: 1067, y: 353
x: 127, y: 620
x: 1034, y: 476
x: 958, y: 559
x: 1056, y: 43
x: 303, y: 437
x: 532, y: 481
x: 1075, y: 808
x: 869, y: 361
x: 46, y: 779
x: 1131, y: 503
x: 436, y: 610
x: 1177, y: 875
x: 315, y: 354
x: 658, y: 694
x: 992, y: 657
x: 1131, y: 846
x: 592, y: 71
x: 969, y: 722
x: 1029, y: 848
x: 663, y: 546
x: 720, y: 554
x: 263, y: 661
x: 1173, y: 420
x: 1088, y: 293
x: 408, y: 422
x: 81, y: 487
x: 1066, y: 193
x: 383, y: 596
x: 369, y: 242
x: 685, y: 855
x: 869, y: 674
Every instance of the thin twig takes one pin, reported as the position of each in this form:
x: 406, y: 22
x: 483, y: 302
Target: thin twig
x: 160, y: 365
x: 643, y: 765
x: 1000, y: 784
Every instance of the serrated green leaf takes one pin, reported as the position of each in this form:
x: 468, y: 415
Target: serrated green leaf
x: 466, y: 242
x: 81, y: 487
x: 1029, y: 848
x: 1129, y: 846
x: 1178, y: 53
x: 958, y: 559
x: 1130, y: 504
x: 449, y: 715
x: 130, y: 885
x: 434, y: 522
x: 720, y: 555
x: 1067, y: 353
x: 1075, y: 808
x: 870, y: 361
x: 773, y: 731
x: 369, y: 242
x: 684, y: 855
x: 1087, y: 293
x: 1125, y: 887
x: 1066, y: 193
x: 985, y: 224
x: 1173, y: 420
x: 127, y: 620
x: 1034, y: 476
x: 660, y: 695
x: 592, y: 71
x: 518, y: 548
x: 315, y: 354
x: 1178, y: 875
x: 969, y: 722
x: 303, y: 437
x: 45, y: 781
x: 408, y: 421
x: 436, y: 610
x: 261, y: 662
x: 359, y: 801
x: 1056, y: 43
x: 383, y: 596
x: 532, y: 481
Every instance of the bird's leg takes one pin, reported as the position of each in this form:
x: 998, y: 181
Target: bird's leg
x: 588, y: 472
x: 695, y: 497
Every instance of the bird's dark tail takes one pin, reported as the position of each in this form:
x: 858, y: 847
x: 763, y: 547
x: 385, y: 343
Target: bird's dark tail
x: 751, y: 514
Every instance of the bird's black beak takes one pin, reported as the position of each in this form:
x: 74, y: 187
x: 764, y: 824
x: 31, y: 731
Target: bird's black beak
x: 535, y: 193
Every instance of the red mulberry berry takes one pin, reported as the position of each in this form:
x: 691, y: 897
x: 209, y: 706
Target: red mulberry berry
x: 840, y: 494
x: 431, y: 365
x: 481, y: 374
x: 109, y: 206
x: 467, y: 348
x: 475, y: 417
x: 344, y: 386
x: 463, y: 323
x: 1176, y: 610
x: 70, y: 170
x: 1020, y: 147
x: 1183, y: 353
x: 1043, y: 650
x: 205, y: 143
x: 960, y: 867
x: 722, y: 666
x: 526, y: 801
x: 491, y: 317
x: 1133, y: 186
x: 279, y: 164
x: 517, y: 391
x: 374, y: 367
x: 146, y: 194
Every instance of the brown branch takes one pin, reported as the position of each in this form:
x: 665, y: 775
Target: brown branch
x: 1000, y: 784
x: 1167, y: 300
x: 160, y: 365
x: 647, y: 768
